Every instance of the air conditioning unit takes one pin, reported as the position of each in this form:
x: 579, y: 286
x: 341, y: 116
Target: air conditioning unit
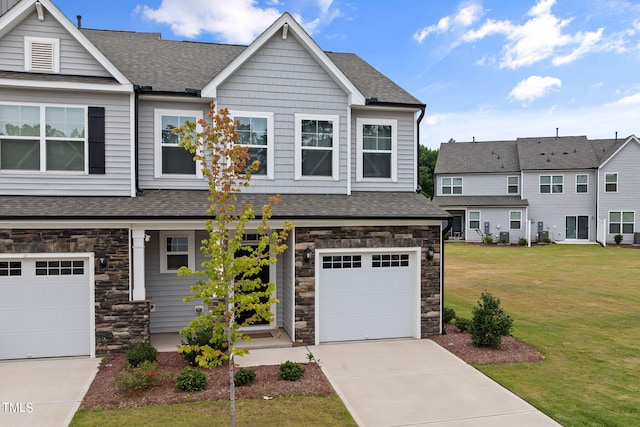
x: 542, y: 235
x: 504, y: 237
x: 636, y: 238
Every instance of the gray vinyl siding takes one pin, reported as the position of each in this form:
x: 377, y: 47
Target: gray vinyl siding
x: 480, y: 184
x: 74, y: 58
x: 287, y: 302
x: 406, y: 152
x: 167, y: 290
x: 117, y: 179
x: 552, y: 209
x: 5, y: 5
x: 146, y: 146
x: 499, y: 220
x: 283, y: 79
x: 627, y: 198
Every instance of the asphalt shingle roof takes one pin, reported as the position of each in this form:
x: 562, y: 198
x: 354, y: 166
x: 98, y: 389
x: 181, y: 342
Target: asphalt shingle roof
x: 185, y: 204
x: 477, y: 157
x: 551, y: 153
x: 480, y: 201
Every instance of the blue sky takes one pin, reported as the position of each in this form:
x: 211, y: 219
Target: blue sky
x: 492, y: 69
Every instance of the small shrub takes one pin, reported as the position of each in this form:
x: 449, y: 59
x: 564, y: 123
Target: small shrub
x: 462, y: 323
x: 195, y: 341
x: 618, y: 238
x: 546, y: 240
x: 488, y: 238
x: 290, y: 371
x: 244, y: 377
x: 134, y: 380
x: 489, y: 322
x: 141, y: 352
x: 522, y: 241
x: 191, y: 379
x: 448, y: 315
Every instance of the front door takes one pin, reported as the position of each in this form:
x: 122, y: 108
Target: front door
x: 578, y: 227
x: 243, y: 316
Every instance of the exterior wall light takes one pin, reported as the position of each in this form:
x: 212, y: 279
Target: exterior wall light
x: 307, y: 254
x: 430, y: 252
x: 103, y: 260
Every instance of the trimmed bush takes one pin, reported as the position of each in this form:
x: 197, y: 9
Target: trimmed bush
x: 140, y: 352
x: 197, y: 340
x: 618, y: 238
x: 133, y: 381
x: 522, y: 241
x: 462, y: 324
x: 244, y: 377
x: 448, y: 315
x: 489, y: 322
x: 191, y: 379
x: 290, y: 371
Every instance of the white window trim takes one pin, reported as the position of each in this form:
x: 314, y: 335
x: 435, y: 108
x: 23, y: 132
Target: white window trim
x: 335, y: 146
x: 550, y: 184
x: 43, y: 141
x: 479, y: 220
x: 452, y: 186
x: 510, y: 185
x: 191, y: 253
x: 583, y: 183
x: 520, y: 220
x: 157, y: 142
x: 270, y: 139
x: 28, y: 43
x: 360, y: 122
x: 622, y: 222
x: 617, y: 181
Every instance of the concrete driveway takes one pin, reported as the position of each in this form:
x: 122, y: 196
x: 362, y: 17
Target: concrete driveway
x: 43, y: 392
x: 410, y: 383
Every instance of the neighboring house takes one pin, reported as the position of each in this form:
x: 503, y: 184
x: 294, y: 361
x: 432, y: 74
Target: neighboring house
x: 567, y: 189
x: 99, y: 206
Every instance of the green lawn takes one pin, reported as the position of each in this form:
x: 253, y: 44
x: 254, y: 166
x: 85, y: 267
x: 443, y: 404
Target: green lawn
x: 291, y: 411
x: 580, y: 306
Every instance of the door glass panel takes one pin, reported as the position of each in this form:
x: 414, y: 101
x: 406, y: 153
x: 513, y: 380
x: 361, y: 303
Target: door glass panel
x: 571, y: 231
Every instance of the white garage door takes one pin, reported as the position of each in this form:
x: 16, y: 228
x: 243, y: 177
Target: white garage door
x: 44, y: 307
x: 367, y: 295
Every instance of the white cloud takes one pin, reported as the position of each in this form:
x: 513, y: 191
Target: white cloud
x: 466, y: 16
x: 534, y: 87
x: 627, y: 100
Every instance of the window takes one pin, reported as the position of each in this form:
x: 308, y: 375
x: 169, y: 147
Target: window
x: 451, y: 185
x: 43, y: 138
x: 316, y: 146
x: 10, y: 268
x: 59, y: 268
x: 255, y: 132
x: 341, y: 261
x: 582, y: 183
x: 390, y: 260
x: 551, y: 184
x: 176, y: 250
x: 171, y: 159
x: 611, y: 183
x: 513, y: 184
x: 474, y: 220
x: 376, y: 149
x: 621, y: 222
x: 515, y: 220
x: 42, y: 55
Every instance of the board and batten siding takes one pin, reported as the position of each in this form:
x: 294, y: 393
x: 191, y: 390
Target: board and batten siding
x: 283, y: 79
x: 627, y: 198
x: 117, y: 179
x: 552, y: 209
x: 74, y: 58
x: 406, y: 152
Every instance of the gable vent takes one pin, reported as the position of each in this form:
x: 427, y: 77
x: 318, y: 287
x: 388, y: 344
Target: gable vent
x: 42, y: 56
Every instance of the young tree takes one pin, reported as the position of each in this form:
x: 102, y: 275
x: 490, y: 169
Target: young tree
x: 228, y: 281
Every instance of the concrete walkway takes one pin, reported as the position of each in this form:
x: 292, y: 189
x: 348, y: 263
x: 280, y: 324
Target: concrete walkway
x: 410, y: 383
x: 43, y: 392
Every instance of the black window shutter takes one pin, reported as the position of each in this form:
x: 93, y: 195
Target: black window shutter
x: 96, y: 140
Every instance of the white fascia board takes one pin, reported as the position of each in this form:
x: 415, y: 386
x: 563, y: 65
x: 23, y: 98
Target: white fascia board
x: 295, y: 30
x: 631, y: 138
x: 75, y: 86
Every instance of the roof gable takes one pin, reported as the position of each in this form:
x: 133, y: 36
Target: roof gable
x: 47, y: 10
x: 289, y: 27
x: 617, y: 148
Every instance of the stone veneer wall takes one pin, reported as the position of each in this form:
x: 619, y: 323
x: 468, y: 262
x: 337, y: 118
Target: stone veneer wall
x: 118, y: 321
x: 366, y: 237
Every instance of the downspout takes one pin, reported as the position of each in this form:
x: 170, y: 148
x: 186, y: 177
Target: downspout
x: 136, y: 90
x: 423, y: 108
x: 597, y: 215
x: 444, y: 232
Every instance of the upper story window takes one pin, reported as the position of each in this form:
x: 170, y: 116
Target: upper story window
x: 513, y: 184
x: 451, y: 185
x: 255, y: 132
x: 474, y: 220
x: 551, y: 184
x: 43, y: 138
x: 170, y: 159
x: 41, y: 55
x: 316, y: 146
x: 376, y: 149
x: 582, y: 183
x: 611, y: 183
x: 621, y: 222
x: 515, y: 220
x: 176, y: 250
